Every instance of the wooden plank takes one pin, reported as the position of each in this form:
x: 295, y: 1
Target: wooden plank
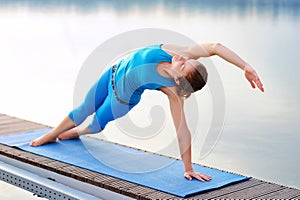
x: 253, y: 192
x: 88, y: 176
x: 157, y: 195
x: 9, y: 151
x: 19, y: 129
x: 20, y: 124
x: 228, y: 189
x: 296, y: 198
x: 5, y: 121
x: 101, y: 180
x: 15, y: 130
x: 78, y: 173
x: 3, y: 116
x: 119, y: 186
x: 4, y: 147
x: 137, y: 191
x: 9, y: 125
x: 10, y: 121
x: 286, y: 193
x: 56, y: 165
x: 27, y: 157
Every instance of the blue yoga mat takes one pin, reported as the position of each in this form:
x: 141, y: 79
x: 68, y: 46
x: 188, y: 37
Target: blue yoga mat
x: 150, y: 170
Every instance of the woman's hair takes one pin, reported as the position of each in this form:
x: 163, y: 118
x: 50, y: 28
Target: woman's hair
x: 194, y: 81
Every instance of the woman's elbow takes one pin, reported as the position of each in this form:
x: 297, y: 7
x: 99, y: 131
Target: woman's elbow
x: 183, y: 135
x: 215, y: 47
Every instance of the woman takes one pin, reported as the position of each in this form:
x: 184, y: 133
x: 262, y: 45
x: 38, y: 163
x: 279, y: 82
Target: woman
x: 172, y: 69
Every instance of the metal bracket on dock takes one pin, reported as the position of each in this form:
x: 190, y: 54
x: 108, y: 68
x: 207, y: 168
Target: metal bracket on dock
x: 49, y: 184
x: 16, y: 177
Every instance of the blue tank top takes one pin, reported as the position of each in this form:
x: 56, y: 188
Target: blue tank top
x: 138, y: 72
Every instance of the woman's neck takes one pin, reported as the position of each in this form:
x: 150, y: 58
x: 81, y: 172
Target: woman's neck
x: 163, y: 69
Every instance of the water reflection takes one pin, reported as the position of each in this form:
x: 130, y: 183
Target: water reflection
x: 262, y: 8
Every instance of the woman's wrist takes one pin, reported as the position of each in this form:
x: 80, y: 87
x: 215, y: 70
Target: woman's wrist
x: 186, y: 172
x: 246, y: 66
x: 188, y: 169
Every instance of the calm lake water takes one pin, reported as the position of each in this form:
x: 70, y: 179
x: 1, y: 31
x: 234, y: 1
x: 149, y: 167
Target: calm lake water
x: 43, y: 47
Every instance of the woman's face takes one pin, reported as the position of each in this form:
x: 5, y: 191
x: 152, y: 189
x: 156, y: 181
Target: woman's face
x: 182, y: 65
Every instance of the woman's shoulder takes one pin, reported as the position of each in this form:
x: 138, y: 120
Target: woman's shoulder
x: 174, y: 49
x: 170, y: 91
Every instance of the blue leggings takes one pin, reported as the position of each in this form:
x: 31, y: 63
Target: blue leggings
x: 100, y: 100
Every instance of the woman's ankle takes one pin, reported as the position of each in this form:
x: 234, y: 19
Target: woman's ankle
x: 69, y: 135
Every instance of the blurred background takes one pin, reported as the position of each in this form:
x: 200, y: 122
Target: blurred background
x: 44, y: 44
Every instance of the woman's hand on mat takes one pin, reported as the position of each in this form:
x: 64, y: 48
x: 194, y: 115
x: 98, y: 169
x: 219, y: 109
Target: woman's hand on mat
x: 253, y: 78
x: 201, y: 177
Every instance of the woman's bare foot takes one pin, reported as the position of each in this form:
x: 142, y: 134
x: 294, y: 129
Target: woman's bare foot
x: 51, y: 136
x: 44, y: 139
x: 69, y: 135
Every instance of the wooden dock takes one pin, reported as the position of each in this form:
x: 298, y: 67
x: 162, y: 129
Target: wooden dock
x: 251, y: 189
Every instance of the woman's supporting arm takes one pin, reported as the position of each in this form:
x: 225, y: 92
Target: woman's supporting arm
x: 184, y: 137
x: 182, y: 131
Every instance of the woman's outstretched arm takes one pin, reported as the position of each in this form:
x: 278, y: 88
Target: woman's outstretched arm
x: 211, y: 49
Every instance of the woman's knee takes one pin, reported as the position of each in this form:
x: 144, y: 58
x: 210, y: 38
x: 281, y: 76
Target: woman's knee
x: 95, y: 126
x: 79, y: 114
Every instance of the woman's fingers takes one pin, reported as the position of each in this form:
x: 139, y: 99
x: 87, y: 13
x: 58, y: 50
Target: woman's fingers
x: 253, y: 78
x: 205, y: 177
x: 187, y: 176
x: 197, y: 175
x: 251, y: 82
x: 259, y: 84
